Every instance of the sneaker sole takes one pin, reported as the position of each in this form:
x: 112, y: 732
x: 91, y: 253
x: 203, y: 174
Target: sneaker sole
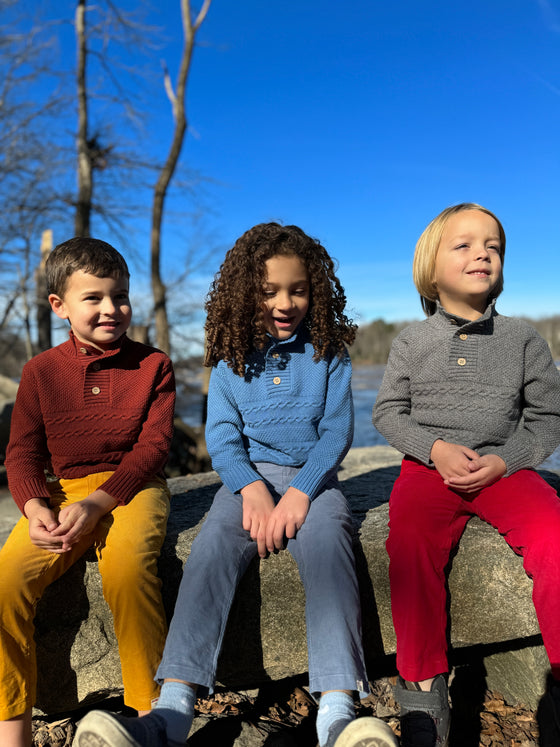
x: 99, y: 729
x: 367, y: 732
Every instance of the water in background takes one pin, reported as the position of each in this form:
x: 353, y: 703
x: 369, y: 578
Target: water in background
x: 365, y: 384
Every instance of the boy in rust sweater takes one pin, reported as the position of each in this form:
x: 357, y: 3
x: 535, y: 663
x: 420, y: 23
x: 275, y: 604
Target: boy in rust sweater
x: 90, y: 435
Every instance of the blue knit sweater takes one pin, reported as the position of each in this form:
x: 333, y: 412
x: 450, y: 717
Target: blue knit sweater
x: 287, y: 410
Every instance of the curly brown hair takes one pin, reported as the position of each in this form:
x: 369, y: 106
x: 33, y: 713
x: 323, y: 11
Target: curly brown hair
x: 234, y: 305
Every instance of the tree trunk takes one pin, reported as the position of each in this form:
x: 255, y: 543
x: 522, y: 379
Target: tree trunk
x: 44, y: 340
x: 85, y: 180
x: 160, y: 192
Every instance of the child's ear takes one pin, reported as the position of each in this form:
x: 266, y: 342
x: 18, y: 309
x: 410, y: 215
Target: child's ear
x: 58, y: 306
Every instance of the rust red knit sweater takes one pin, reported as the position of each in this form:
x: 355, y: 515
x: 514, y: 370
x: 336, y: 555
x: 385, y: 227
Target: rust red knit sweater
x: 80, y: 411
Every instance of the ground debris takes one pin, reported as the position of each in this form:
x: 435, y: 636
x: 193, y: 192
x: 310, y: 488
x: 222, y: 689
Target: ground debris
x: 54, y: 733
x: 224, y: 704
x: 504, y: 724
x: 287, y: 707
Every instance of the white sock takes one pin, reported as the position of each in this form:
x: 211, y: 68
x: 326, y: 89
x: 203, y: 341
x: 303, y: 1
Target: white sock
x: 333, y: 706
x: 176, y: 706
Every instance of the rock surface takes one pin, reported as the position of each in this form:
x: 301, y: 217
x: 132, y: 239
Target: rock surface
x: 491, y: 609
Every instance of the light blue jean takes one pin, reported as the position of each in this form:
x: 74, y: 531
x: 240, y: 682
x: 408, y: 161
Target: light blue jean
x: 219, y: 557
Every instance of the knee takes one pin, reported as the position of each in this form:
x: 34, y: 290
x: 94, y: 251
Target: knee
x: 543, y: 545
x: 408, y: 537
x: 131, y: 571
x: 334, y: 551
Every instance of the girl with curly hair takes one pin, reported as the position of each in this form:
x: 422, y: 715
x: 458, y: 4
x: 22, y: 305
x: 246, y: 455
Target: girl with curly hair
x: 280, y: 420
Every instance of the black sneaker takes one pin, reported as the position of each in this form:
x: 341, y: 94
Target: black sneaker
x: 425, y: 716
x: 548, y: 716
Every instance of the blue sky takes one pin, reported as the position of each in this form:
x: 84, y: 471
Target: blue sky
x: 360, y: 121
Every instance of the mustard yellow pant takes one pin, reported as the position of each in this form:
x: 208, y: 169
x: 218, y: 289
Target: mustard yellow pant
x: 127, y: 542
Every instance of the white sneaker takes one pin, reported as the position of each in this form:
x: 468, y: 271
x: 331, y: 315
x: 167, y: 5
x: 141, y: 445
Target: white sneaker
x: 367, y: 732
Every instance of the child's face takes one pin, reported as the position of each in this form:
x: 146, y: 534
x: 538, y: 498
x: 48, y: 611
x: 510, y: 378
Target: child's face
x: 98, y: 309
x: 468, y: 263
x: 286, y: 290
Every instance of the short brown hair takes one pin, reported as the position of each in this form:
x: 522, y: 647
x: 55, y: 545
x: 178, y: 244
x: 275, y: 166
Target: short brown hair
x: 424, y: 263
x: 94, y: 256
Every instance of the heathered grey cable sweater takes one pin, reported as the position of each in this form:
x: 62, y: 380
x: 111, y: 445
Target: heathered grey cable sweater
x: 489, y: 384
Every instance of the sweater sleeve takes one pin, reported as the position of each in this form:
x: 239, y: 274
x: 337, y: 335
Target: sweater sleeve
x: 335, y: 430
x: 27, y: 456
x: 225, y: 442
x: 538, y: 431
x: 149, y: 454
x: 392, y: 410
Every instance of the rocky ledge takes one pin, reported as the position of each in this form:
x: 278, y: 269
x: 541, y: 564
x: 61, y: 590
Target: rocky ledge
x: 493, y: 626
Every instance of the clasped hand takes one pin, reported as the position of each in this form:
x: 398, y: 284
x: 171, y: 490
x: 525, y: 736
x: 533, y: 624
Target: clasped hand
x: 268, y: 524
x: 464, y: 469
x: 60, y: 533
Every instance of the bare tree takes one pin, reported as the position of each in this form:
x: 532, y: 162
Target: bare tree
x: 178, y: 102
x: 27, y: 164
x: 85, y: 179
x: 99, y: 175
x: 43, y: 309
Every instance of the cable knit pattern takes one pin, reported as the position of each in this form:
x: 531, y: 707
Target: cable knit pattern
x: 80, y: 411
x: 489, y: 384
x: 287, y: 410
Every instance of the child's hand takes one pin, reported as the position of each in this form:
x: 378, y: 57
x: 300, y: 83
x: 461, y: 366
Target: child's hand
x: 485, y: 470
x: 287, y: 518
x: 42, y: 522
x: 452, y: 460
x: 80, y: 518
x: 258, y: 505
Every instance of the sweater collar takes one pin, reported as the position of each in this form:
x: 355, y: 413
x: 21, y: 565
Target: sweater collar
x: 300, y: 335
x: 444, y: 318
x: 81, y: 349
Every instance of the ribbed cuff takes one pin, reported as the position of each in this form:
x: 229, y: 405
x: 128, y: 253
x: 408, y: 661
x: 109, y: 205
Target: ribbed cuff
x: 237, y: 476
x: 123, y: 486
x: 33, y: 488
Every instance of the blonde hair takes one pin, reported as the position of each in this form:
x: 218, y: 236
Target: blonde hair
x: 424, y: 263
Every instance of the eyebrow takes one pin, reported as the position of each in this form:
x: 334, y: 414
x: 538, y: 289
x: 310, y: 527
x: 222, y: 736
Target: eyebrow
x: 465, y: 236
x: 295, y: 283
x: 96, y: 290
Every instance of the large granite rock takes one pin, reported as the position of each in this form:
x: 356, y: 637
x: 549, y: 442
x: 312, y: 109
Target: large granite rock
x: 493, y: 625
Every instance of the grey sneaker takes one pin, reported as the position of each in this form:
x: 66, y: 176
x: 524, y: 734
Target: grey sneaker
x: 102, y: 729
x: 362, y: 732
x: 425, y: 716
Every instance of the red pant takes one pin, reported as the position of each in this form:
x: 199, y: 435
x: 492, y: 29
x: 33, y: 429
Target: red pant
x: 426, y: 520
